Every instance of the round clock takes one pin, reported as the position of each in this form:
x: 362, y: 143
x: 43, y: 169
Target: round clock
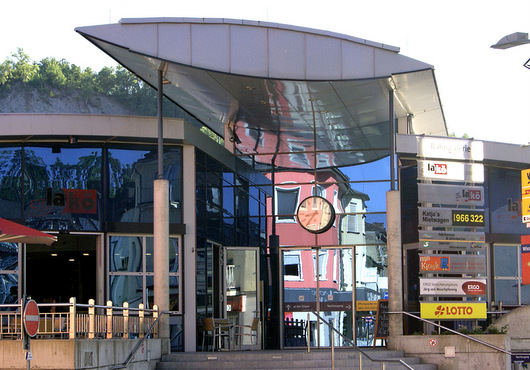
x: 315, y: 214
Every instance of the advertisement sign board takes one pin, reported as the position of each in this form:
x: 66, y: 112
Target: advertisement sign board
x: 451, y: 240
x: 460, y: 287
x: 453, y: 264
x: 453, y: 310
x: 451, y: 194
x: 430, y: 147
x: 450, y: 171
x: 448, y: 217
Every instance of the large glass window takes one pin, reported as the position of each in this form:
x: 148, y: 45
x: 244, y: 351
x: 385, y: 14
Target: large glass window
x: 10, y: 183
x: 131, y: 176
x: 62, y: 188
x: 8, y: 273
x: 507, y: 269
x: 287, y: 200
x: 131, y: 271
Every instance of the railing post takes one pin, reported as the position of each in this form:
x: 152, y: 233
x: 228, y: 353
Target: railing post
x: 360, y: 361
x: 91, y: 319
x: 332, y: 350
x: 308, y: 334
x: 141, y: 315
x: 126, y: 320
x: 156, y: 313
x: 72, y: 318
x: 109, y: 319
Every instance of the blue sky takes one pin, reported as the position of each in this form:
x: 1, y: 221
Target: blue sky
x: 485, y: 92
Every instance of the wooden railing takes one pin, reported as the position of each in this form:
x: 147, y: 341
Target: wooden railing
x: 82, y: 321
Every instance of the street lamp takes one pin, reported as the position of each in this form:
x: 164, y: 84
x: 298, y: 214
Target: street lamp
x: 511, y: 40
x: 514, y: 39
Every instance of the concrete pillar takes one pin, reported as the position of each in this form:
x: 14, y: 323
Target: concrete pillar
x: 189, y: 287
x: 161, y: 257
x: 395, y: 265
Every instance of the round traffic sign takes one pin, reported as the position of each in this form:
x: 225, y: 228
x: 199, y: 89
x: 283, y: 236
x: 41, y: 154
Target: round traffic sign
x: 31, y: 318
x: 433, y: 342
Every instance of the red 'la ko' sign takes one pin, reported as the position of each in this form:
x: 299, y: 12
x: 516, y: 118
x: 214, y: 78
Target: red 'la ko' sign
x: 31, y: 318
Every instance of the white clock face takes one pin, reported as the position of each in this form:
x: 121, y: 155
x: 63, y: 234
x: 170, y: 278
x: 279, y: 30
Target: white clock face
x: 315, y: 214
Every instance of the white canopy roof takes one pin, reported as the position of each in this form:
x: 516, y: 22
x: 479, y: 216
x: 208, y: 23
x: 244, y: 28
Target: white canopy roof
x: 284, y: 91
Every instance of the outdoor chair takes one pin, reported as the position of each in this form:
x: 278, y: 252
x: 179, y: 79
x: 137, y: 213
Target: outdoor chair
x: 217, y: 329
x: 208, y: 331
x: 241, y: 331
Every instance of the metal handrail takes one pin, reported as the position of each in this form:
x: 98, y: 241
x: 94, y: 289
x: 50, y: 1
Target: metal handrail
x: 140, y: 342
x: 356, y: 347
x: 454, y: 332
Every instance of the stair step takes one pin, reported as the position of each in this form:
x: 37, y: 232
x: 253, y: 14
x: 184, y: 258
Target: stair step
x: 288, y: 359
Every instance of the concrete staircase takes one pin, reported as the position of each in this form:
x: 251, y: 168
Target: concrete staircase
x: 288, y: 359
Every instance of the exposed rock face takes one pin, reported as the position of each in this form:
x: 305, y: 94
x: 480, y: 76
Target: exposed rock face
x: 24, y: 98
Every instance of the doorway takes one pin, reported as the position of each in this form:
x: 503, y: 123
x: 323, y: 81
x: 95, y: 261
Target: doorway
x: 61, y: 271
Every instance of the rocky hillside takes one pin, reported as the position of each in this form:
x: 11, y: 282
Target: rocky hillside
x: 24, y: 98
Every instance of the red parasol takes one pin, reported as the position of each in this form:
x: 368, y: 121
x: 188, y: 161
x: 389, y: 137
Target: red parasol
x: 11, y: 232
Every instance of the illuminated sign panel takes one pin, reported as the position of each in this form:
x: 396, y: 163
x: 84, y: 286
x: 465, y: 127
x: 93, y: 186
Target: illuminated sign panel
x: 429, y: 147
x: 448, y: 217
x: 453, y: 311
x: 451, y: 194
x: 434, y: 169
x: 452, y: 287
x: 453, y: 264
x: 469, y: 218
x: 451, y: 240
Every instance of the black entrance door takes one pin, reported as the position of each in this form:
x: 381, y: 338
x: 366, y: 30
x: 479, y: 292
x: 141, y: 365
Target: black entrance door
x: 66, y: 269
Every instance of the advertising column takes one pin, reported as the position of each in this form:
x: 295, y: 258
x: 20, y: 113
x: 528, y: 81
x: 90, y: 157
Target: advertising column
x: 451, y: 238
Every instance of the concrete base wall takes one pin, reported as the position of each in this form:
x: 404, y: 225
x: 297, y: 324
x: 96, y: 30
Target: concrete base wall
x: 456, y: 352
x: 80, y: 354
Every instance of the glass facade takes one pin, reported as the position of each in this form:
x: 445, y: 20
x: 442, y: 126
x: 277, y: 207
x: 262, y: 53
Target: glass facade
x: 75, y: 188
x: 62, y: 188
x: 131, y: 271
x: 231, y: 212
x: 341, y: 273
x: 8, y: 273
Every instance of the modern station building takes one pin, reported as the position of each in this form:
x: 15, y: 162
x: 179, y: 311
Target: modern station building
x: 301, y: 119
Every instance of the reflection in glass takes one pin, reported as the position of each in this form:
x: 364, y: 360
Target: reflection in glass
x: 10, y: 181
x: 8, y: 288
x: 506, y: 291
x: 126, y: 288
x: 8, y: 273
x: 125, y: 253
x: 47, y: 175
x: 241, y: 288
x: 505, y: 259
x: 131, y: 175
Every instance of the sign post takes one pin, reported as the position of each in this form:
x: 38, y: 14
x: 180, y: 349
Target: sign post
x: 31, y: 326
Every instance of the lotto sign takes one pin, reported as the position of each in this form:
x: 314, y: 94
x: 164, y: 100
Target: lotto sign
x: 31, y: 318
x: 451, y: 194
x: 450, y: 171
x: 453, y: 311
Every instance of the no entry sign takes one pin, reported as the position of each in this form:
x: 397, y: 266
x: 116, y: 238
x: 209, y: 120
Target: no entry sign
x: 31, y: 318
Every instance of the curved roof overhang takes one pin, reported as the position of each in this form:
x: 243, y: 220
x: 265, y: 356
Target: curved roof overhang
x: 299, y: 97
